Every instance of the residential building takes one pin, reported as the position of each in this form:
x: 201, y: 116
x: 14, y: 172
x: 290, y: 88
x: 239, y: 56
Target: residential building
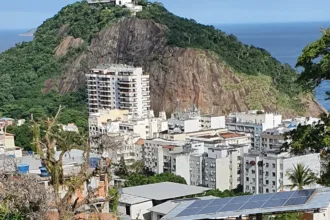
x: 130, y: 4
x: 273, y: 139
x: 222, y: 167
x: 183, y: 136
x: 8, y: 147
x: 115, y: 86
x: 192, y: 121
x: 135, y: 202
x: 294, y: 122
x: 196, y: 169
x: 101, y: 122
x: 174, y: 157
x: 253, y: 123
x: 221, y: 139
x: 70, y: 127
x: 265, y: 173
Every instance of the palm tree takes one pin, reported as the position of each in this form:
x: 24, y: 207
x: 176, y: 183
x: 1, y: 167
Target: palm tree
x: 300, y: 176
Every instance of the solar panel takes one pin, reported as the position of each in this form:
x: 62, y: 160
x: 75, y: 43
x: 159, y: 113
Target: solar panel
x: 282, y: 195
x: 252, y: 205
x: 261, y: 197
x: 231, y: 207
x: 274, y: 203
x: 217, y: 202
x: 273, y: 200
x: 188, y: 212
x: 240, y: 199
x: 200, y: 204
x: 296, y: 201
x: 303, y: 193
x: 210, y: 209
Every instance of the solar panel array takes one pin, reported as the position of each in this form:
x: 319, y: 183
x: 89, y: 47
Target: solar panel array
x: 238, y: 203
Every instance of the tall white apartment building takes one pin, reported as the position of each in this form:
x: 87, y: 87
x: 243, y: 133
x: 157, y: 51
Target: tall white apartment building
x: 254, y: 123
x: 267, y: 173
x: 222, y: 167
x: 115, y: 86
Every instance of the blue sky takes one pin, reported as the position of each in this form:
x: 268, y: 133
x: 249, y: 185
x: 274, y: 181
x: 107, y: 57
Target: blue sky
x: 22, y: 14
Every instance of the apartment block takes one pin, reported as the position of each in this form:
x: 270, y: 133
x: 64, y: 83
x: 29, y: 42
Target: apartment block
x: 217, y: 139
x: 253, y: 123
x: 114, y: 86
x: 222, y: 167
x: 191, y: 120
x: 175, y: 157
x: 265, y: 173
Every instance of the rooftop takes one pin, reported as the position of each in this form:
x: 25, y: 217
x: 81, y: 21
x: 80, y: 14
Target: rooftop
x: 140, y: 142
x: 307, y: 200
x: 132, y: 199
x: 163, y: 191
x: 229, y: 135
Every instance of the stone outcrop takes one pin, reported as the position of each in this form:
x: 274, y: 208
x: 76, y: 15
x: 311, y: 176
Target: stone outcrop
x: 177, y: 74
x: 66, y: 44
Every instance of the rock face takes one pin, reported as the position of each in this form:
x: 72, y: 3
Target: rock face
x: 66, y: 44
x: 177, y: 74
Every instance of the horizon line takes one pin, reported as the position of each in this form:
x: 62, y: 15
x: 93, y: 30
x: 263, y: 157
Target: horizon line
x: 270, y: 22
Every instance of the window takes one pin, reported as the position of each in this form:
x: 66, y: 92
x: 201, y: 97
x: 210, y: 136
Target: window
x: 267, y: 164
x: 247, y: 178
x: 253, y: 188
x: 274, y: 165
x: 274, y: 174
x: 254, y: 180
x: 247, y: 187
x: 102, y: 178
x: 267, y: 190
x: 253, y: 171
x: 267, y: 182
x: 267, y: 173
x: 274, y: 183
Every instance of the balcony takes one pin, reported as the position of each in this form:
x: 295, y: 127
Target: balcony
x: 128, y: 100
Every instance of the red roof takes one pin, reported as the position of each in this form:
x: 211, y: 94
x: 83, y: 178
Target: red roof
x: 169, y: 147
x: 230, y: 135
x: 140, y: 142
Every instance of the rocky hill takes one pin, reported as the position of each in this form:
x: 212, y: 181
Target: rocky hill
x: 186, y: 61
x: 186, y: 74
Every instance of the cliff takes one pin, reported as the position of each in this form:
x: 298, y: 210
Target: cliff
x: 185, y: 74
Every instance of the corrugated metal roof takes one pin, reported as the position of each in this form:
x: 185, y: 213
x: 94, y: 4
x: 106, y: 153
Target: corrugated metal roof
x: 320, y: 200
x: 165, y: 190
x: 131, y: 199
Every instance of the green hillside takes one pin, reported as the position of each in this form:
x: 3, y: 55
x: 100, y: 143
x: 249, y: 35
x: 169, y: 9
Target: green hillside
x: 25, y: 68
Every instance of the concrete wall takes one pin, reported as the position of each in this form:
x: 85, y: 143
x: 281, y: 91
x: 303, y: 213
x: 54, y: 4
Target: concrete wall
x: 139, y: 210
x: 183, y: 166
x: 223, y: 173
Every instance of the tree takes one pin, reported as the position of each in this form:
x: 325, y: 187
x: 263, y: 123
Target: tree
x: 23, y: 135
x: 300, y: 176
x: 47, y: 135
x: 316, y: 62
x: 285, y: 216
x: 225, y: 193
x: 122, y: 168
x: 139, y: 179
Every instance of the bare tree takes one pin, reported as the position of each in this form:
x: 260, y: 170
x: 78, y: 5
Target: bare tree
x: 47, y: 136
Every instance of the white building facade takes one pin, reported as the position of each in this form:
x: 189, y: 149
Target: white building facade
x: 267, y: 173
x: 118, y: 87
x: 253, y: 123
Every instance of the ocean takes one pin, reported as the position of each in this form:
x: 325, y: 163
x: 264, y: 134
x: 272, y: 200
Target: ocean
x: 284, y: 41
x: 8, y: 38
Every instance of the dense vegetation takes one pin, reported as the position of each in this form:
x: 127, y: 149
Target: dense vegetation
x: 140, y: 179
x: 25, y: 68
x: 243, y: 58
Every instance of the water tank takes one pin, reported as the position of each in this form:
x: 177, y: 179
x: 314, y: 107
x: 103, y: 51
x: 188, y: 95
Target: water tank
x: 43, y: 172
x: 11, y: 156
x: 23, y: 168
x: 93, y: 162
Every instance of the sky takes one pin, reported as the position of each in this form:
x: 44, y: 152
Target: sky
x: 25, y: 14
